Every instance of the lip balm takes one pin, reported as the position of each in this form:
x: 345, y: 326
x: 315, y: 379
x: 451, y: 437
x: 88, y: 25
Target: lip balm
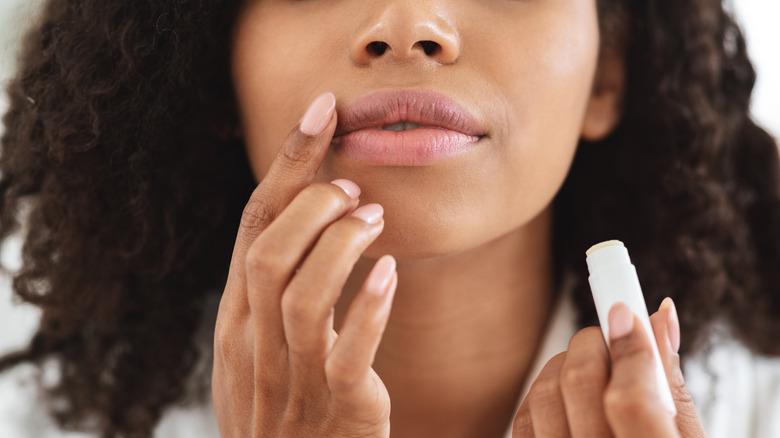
x: 612, y: 280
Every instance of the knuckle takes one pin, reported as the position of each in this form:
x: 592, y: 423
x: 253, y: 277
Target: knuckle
x: 297, y: 310
x: 297, y: 412
x: 348, y: 233
x: 544, y: 392
x: 681, y: 395
x: 261, y: 259
x: 586, y: 336
x: 324, y: 195
x: 257, y: 215
x: 268, y: 393
x: 676, y: 380
x: 341, y: 374
x: 629, y: 401
x: 645, y: 354
x: 546, y: 389
x: 223, y: 340
x: 680, y: 392
x: 625, y: 348
x: 227, y: 342
x: 522, y: 426
x: 295, y: 153
x: 582, y: 376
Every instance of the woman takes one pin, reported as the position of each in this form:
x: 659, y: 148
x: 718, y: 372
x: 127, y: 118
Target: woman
x: 453, y: 159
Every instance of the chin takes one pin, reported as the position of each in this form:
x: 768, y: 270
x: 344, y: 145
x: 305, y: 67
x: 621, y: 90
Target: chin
x: 425, y: 238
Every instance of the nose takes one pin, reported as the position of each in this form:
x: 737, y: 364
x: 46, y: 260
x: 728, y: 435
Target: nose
x: 406, y: 30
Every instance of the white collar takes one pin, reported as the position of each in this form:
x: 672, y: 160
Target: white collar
x: 560, y: 329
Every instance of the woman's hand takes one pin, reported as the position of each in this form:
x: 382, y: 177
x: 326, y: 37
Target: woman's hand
x: 279, y: 367
x: 589, y: 391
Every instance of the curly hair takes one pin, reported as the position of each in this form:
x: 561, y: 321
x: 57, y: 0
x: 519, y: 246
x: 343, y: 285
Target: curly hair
x: 120, y: 166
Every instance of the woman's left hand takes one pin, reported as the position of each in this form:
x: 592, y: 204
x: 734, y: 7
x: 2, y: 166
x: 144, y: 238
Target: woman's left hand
x: 589, y: 391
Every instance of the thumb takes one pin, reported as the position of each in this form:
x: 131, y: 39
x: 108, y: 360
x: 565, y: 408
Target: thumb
x: 666, y: 328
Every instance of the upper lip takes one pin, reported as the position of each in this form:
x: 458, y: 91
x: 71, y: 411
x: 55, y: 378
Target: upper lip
x: 425, y: 108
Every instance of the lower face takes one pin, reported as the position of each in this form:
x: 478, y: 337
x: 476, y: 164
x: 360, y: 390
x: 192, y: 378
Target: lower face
x: 523, y: 69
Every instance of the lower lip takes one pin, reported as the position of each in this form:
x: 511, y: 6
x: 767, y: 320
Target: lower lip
x: 414, y: 147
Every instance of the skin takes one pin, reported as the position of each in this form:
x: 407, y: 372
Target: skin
x: 297, y: 345
x: 520, y: 166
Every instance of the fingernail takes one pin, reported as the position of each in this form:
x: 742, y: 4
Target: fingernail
x: 381, y: 275
x: 318, y: 115
x: 621, y: 321
x: 351, y: 189
x: 673, y: 323
x: 370, y: 213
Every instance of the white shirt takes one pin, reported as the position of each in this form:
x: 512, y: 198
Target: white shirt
x: 736, y: 392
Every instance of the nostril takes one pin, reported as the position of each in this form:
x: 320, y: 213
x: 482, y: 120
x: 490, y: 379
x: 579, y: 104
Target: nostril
x: 430, y: 47
x: 377, y: 47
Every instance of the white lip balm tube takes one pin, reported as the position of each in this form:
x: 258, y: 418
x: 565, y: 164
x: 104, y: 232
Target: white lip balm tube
x: 613, y: 279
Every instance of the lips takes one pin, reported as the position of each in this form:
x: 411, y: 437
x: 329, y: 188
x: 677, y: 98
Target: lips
x: 405, y: 128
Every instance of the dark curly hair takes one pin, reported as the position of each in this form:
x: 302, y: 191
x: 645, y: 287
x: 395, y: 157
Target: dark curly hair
x: 120, y: 167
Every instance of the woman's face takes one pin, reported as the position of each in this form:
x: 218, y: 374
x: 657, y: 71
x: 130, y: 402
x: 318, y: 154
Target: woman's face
x: 523, y: 70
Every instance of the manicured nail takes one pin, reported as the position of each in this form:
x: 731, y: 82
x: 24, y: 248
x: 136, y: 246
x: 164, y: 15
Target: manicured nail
x: 351, y: 189
x: 673, y: 324
x: 381, y: 275
x: 621, y: 321
x: 318, y: 115
x: 370, y: 213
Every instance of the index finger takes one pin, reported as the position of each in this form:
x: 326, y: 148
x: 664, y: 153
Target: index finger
x: 294, y: 168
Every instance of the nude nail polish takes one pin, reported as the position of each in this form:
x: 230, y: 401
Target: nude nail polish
x: 370, y: 213
x: 351, y: 189
x: 381, y: 275
x: 673, y: 324
x: 621, y: 321
x: 318, y: 115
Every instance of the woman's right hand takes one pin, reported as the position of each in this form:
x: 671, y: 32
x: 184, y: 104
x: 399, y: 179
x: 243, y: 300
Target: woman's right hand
x: 280, y: 369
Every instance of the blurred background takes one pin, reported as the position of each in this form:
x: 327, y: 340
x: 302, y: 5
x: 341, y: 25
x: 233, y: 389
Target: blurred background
x: 757, y: 17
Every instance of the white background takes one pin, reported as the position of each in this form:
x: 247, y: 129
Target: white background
x: 757, y: 17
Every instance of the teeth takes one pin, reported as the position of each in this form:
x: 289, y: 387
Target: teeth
x: 401, y: 126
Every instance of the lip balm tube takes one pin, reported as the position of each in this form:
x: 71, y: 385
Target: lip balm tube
x: 613, y: 279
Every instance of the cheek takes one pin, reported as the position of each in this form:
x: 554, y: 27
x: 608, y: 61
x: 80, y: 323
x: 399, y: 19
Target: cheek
x: 546, y: 77
x: 273, y: 59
